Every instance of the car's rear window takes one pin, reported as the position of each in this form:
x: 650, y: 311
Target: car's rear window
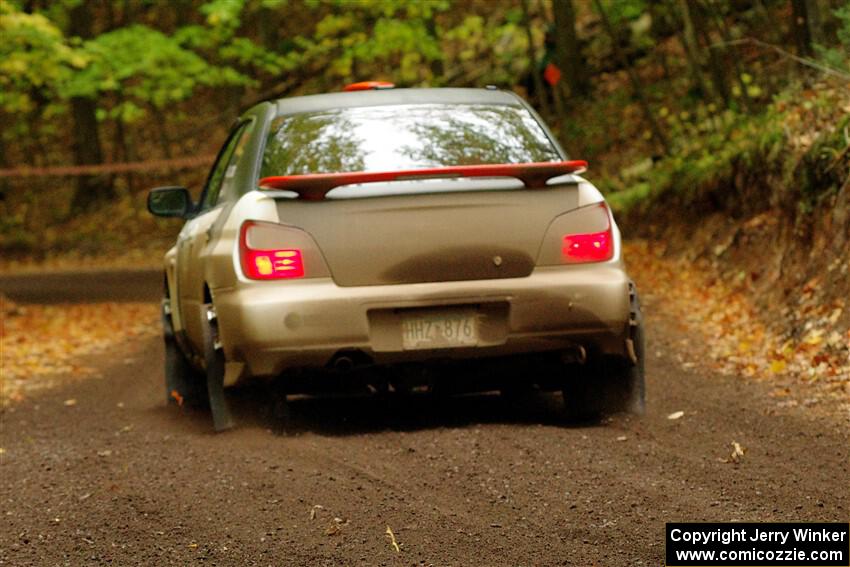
x: 408, y: 136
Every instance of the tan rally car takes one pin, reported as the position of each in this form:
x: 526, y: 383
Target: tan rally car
x: 363, y: 234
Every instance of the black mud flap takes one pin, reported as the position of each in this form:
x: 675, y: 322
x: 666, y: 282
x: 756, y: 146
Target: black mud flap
x: 635, y: 344
x: 214, y: 360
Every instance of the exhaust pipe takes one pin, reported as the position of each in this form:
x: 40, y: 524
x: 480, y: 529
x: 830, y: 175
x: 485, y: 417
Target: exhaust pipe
x: 577, y: 355
x: 343, y: 363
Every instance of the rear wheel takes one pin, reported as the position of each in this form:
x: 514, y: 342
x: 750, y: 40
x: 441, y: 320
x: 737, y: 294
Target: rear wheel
x: 183, y: 384
x: 610, y: 384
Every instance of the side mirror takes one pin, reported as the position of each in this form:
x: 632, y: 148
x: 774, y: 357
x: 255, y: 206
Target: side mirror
x: 170, y: 202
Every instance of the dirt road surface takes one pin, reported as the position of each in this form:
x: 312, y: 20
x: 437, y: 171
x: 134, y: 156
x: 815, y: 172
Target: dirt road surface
x: 116, y: 477
x: 83, y: 286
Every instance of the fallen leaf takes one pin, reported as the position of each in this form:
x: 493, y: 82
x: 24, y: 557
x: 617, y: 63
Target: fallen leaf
x: 177, y: 397
x: 336, y: 526
x: 737, y: 453
x: 811, y: 285
x: 70, y: 402
x: 394, y: 543
x: 676, y: 415
x: 814, y: 338
x: 834, y: 339
x: 46, y: 341
x: 622, y: 438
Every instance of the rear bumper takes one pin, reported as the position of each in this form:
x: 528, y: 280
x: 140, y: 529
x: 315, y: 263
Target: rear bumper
x: 269, y: 327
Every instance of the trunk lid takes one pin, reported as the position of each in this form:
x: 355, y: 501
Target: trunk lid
x: 442, y: 235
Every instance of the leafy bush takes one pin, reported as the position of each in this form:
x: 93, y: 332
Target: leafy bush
x: 799, y: 139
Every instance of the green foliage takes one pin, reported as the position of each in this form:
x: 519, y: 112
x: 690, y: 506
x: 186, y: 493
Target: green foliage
x: 145, y: 67
x: 843, y: 14
x: 192, y: 54
x: 796, y: 141
x: 372, y: 39
x: 34, y: 58
x: 837, y: 56
x: 140, y: 65
x: 488, y: 52
x: 624, y: 10
x: 223, y: 14
x: 218, y: 39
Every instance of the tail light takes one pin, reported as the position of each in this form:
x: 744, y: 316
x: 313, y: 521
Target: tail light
x: 580, y: 236
x: 263, y: 262
x: 590, y: 247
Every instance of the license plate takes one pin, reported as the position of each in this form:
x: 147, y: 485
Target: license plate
x: 445, y: 329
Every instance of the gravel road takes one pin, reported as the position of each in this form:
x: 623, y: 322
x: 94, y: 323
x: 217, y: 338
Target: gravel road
x: 118, y: 478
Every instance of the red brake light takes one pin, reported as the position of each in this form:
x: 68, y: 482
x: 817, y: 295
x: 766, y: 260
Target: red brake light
x: 591, y: 247
x: 269, y: 264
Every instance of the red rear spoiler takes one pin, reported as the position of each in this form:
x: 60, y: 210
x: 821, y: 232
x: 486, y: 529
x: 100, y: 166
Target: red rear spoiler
x: 314, y: 187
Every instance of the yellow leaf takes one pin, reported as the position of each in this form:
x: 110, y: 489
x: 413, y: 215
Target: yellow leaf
x: 777, y: 366
x: 815, y: 337
x: 393, y: 541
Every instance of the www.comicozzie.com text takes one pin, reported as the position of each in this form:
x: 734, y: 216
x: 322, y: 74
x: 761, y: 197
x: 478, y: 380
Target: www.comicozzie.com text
x: 743, y: 534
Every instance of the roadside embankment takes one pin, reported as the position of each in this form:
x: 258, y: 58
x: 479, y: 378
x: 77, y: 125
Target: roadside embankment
x: 762, y: 213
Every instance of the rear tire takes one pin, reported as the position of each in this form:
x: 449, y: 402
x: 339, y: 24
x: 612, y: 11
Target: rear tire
x: 184, y: 385
x: 610, y: 384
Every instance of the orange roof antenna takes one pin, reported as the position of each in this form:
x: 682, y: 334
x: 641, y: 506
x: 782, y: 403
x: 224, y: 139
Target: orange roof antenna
x: 368, y: 86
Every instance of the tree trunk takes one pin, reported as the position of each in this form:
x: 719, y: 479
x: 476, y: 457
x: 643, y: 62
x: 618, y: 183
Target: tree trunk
x: 816, y: 22
x: 164, y: 141
x: 800, y: 28
x: 720, y: 26
x: 86, y: 138
x: 438, y: 67
x: 4, y: 163
x: 570, y: 59
x: 657, y: 133
x: 693, y: 55
x: 716, y: 65
x: 536, y: 76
